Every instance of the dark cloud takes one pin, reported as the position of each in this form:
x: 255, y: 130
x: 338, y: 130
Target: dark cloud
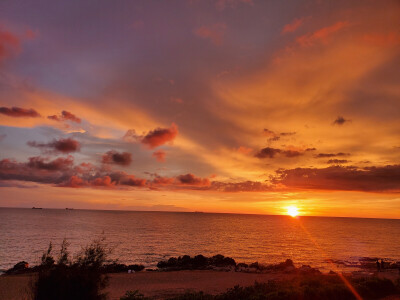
x: 154, y: 138
x: 36, y: 170
x: 269, y: 152
x: 311, y: 149
x: 327, y: 155
x: 190, y: 179
x: 369, y: 179
x: 61, y: 172
x: 337, y: 161
x: 65, y: 116
x: 274, y: 136
x: 340, y: 121
x: 63, y: 145
x: 114, y: 157
x: 287, y: 133
x: 244, y: 186
x: 58, y: 164
x: 19, y: 112
x: 122, y: 178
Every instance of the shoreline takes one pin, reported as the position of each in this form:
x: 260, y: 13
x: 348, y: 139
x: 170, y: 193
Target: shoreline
x: 215, y: 276
x: 164, y: 284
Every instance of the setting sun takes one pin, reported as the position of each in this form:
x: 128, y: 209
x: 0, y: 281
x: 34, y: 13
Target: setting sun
x: 292, y: 211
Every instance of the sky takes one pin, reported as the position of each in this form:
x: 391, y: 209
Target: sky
x: 236, y: 106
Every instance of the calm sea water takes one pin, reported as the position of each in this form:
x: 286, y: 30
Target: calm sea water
x: 148, y: 237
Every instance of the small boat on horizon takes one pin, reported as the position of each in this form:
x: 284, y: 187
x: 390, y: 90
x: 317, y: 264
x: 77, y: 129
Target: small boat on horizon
x: 67, y: 208
x: 37, y: 208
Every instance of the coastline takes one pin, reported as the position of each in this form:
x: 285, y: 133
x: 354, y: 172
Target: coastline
x: 162, y: 285
x: 211, y: 276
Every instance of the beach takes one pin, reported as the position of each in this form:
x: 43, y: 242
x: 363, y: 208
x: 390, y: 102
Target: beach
x: 162, y: 285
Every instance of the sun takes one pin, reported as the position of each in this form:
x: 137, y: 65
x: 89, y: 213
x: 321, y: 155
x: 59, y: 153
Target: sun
x: 292, y: 211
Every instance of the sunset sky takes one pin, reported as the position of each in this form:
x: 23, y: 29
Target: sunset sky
x: 241, y: 106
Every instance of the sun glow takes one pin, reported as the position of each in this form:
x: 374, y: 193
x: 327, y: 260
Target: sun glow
x: 292, y: 211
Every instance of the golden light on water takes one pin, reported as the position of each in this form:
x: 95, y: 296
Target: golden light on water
x: 292, y: 211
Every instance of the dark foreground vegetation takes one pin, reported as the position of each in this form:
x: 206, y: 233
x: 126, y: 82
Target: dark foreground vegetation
x: 85, y: 277
x: 310, y: 288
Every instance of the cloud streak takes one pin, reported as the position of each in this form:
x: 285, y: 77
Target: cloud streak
x: 65, y: 116
x: 18, y: 112
x: 62, y: 145
x: 370, y: 179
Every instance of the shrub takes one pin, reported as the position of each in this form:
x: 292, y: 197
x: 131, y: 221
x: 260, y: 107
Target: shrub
x: 67, y: 280
x: 133, y: 295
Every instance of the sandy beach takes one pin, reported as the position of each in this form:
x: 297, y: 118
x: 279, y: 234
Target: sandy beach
x: 161, y: 285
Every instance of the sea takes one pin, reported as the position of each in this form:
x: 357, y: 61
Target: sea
x: 149, y: 237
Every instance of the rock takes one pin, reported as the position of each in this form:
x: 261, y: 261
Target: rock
x: 306, y: 269
x: 18, y: 268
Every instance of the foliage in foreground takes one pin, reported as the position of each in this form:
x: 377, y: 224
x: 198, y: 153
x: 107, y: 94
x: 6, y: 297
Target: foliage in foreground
x: 76, y: 279
x: 312, y: 288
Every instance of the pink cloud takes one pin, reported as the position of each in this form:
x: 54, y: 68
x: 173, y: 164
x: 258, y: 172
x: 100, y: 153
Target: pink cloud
x: 321, y: 34
x: 9, y: 44
x: 159, y: 155
x: 214, y: 33
x: 293, y: 26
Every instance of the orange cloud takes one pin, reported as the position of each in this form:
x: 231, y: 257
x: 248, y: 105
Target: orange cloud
x: 159, y: 155
x: 383, y: 40
x: 321, y: 34
x: 244, y: 150
x: 291, y: 27
x: 65, y: 116
x: 154, y: 138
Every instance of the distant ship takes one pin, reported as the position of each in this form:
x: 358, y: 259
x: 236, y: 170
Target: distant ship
x: 68, y: 208
x: 36, y: 208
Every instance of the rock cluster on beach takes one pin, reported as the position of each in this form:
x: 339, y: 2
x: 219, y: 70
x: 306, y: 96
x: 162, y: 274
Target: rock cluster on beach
x: 216, y: 263
x: 222, y: 263
x: 23, y: 267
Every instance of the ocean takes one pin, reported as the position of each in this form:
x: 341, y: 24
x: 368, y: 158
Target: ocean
x: 148, y: 237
